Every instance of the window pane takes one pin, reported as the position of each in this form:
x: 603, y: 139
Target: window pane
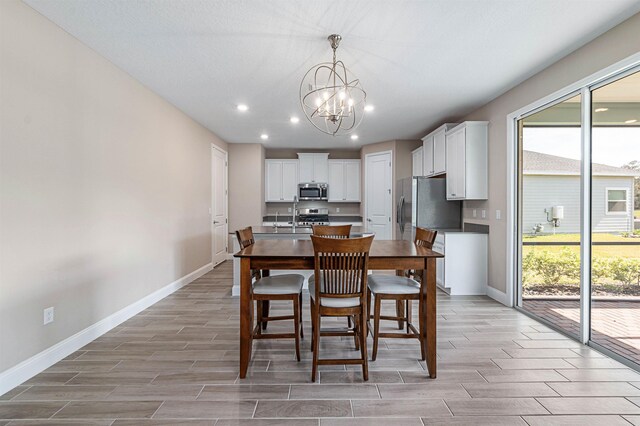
x: 617, y: 194
x: 617, y: 206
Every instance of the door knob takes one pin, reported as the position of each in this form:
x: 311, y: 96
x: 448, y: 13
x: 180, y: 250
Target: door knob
x: 215, y: 222
x: 368, y: 220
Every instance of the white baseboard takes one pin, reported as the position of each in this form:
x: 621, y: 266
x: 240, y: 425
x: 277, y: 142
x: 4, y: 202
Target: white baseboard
x: 18, y: 374
x: 498, y: 296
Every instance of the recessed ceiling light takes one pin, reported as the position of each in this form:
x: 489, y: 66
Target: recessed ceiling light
x: 354, y: 137
x: 602, y: 109
x: 369, y: 108
x: 264, y: 136
x: 630, y: 121
x: 294, y: 119
x: 242, y: 107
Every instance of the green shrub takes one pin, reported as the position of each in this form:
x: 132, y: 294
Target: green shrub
x: 625, y: 270
x: 600, y: 269
x: 552, y: 267
x: 528, y: 267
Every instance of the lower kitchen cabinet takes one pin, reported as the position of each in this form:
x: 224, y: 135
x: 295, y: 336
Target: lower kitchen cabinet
x: 464, y: 269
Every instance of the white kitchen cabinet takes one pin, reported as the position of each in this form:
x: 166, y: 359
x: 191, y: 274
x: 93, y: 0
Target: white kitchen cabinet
x: 427, y: 155
x: 464, y: 268
x: 417, y: 162
x: 466, y: 160
x: 281, y: 180
x: 314, y: 167
x: 344, y: 180
x: 439, y: 151
x: 434, y: 150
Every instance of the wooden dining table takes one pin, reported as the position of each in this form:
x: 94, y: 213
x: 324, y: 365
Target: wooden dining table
x: 298, y: 255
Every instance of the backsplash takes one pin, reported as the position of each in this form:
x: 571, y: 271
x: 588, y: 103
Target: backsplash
x: 345, y: 208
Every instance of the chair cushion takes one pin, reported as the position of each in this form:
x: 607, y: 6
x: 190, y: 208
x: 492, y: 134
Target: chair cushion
x: 392, y: 284
x: 279, y: 284
x: 332, y: 302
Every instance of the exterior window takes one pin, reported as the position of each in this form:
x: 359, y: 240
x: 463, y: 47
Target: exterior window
x: 616, y: 201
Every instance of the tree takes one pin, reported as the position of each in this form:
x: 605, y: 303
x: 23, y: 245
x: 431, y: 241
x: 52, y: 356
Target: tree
x: 635, y: 165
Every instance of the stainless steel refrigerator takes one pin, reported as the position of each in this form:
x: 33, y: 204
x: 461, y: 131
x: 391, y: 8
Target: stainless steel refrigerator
x: 422, y: 202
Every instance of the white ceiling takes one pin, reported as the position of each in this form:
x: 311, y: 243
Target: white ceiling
x: 420, y: 62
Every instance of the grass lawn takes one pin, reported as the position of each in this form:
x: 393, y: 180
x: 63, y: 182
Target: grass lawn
x: 636, y: 214
x: 603, y: 251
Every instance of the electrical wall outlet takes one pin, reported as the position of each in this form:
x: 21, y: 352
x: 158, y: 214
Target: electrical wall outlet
x: 48, y: 315
x: 484, y: 214
x: 289, y: 210
x: 337, y: 209
x: 475, y: 212
x: 498, y: 214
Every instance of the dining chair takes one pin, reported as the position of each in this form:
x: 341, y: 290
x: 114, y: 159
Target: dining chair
x: 337, y: 289
x: 403, y: 289
x: 332, y: 231
x: 278, y: 287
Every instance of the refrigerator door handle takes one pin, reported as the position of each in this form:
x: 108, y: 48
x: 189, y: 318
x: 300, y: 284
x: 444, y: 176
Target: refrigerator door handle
x: 399, y: 211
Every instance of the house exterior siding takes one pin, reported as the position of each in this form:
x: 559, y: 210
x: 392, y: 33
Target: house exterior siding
x: 544, y: 191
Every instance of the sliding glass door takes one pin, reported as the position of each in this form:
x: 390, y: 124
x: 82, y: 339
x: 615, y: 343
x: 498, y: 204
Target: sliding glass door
x: 550, y: 220
x: 578, y: 215
x: 615, y: 218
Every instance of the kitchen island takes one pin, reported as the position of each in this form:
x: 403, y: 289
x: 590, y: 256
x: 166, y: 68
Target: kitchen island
x: 279, y: 233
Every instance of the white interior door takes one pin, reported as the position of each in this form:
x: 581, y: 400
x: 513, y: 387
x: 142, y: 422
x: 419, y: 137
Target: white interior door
x: 378, y: 202
x: 219, y: 205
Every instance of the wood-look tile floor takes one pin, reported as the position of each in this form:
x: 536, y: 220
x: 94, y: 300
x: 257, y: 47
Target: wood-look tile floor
x: 177, y: 363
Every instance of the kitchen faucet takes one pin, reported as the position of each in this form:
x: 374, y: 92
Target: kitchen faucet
x: 293, y: 221
x: 275, y: 224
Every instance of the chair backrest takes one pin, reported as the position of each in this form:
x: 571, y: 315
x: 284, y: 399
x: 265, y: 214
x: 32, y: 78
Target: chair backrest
x: 341, y: 266
x: 425, y: 237
x: 332, y: 231
x: 245, y: 237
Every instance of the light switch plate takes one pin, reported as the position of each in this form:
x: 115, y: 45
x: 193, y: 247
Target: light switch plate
x: 48, y: 315
x: 498, y: 214
x: 475, y: 212
x: 484, y: 214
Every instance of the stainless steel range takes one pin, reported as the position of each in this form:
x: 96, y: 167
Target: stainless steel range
x: 308, y: 217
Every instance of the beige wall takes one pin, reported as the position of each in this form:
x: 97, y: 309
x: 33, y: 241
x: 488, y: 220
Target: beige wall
x: 615, y: 45
x: 401, y: 165
x: 105, y: 188
x: 246, y: 185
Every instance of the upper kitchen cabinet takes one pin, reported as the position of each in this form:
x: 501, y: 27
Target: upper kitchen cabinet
x: 344, y: 181
x: 417, y: 161
x: 466, y: 160
x: 281, y: 180
x: 314, y: 167
x: 434, y: 150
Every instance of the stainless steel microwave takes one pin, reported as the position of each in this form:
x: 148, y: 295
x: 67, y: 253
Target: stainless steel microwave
x: 313, y: 191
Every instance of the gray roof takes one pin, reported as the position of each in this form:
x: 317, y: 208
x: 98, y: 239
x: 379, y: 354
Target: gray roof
x: 537, y: 163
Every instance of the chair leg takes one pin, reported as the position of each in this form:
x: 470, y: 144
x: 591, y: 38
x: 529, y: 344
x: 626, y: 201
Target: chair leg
x: 313, y: 324
x: 265, y: 313
x: 423, y: 329
x: 316, y: 344
x: 296, y: 324
x: 356, y: 328
x: 399, y: 309
x: 349, y: 321
x: 408, y: 316
x: 376, y: 328
x: 301, y: 322
x: 259, y: 307
x: 363, y: 343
